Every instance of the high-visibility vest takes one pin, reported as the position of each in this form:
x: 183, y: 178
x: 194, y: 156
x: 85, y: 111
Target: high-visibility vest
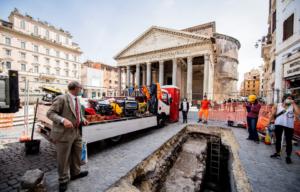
x: 146, y: 92
x: 159, y: 96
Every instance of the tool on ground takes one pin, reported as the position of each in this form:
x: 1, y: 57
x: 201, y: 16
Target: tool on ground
x: 37, y: 104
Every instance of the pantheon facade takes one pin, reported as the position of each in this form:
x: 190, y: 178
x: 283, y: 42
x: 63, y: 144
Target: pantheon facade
x: 198, y: 60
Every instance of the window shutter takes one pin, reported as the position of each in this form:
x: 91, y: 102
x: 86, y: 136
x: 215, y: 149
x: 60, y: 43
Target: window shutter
x: 274, y: 22
x: 284, y: 30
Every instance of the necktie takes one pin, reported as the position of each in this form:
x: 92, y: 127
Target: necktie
x: 77, y: 113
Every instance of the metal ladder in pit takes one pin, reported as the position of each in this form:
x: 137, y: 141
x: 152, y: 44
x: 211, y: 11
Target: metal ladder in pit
x: 215, y: 154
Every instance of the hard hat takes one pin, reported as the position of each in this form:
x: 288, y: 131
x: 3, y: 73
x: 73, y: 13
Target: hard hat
x: 252, y: 97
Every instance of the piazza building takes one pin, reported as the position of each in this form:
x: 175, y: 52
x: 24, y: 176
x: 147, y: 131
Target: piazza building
x: 198, y: 60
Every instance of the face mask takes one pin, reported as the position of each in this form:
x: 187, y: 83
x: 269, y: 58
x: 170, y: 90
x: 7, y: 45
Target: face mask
x: 80, y: 93
x: 288, y: 101
x: 184, y: 100
x: 204, y: 98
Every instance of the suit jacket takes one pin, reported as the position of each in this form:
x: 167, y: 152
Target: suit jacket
x: 63, y: 107
x: 181, y: 106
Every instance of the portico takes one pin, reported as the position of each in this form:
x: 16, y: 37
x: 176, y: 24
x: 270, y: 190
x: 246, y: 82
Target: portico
x: 176, y: 57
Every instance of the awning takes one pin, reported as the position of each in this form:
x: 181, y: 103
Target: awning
x: 293, y: 77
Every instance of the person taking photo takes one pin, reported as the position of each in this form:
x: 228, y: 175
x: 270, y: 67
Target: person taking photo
x: 252, y: 117
x: 284, y: 122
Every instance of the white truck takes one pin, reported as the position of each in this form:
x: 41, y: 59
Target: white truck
x: 110, y: 129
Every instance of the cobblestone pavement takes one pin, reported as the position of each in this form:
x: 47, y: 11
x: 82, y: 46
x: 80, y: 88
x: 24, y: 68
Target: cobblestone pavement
x: 107, y: 163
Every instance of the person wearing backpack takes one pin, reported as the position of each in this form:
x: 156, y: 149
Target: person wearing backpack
x: 284, y: 121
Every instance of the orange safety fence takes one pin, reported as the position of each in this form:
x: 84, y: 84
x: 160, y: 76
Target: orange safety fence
x: 237, y: 112
x: 6, y: 121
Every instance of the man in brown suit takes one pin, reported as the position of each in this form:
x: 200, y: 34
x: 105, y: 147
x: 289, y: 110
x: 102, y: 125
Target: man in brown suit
x: 67, y: 118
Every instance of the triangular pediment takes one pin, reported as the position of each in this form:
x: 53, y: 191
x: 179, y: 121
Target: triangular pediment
x: 158, y: 38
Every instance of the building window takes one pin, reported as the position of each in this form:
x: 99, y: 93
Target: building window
x: 57, y: 81
x: 57, y: 54
x: 57, y: 38
x: 74, y: 66
x: 57, y: 63
x: 248, y: 86
x: 109, y: 81
x: 22, y: 24
x: 36, y: 48
x: 36, y: 31
x: 67, y: 41
x: 67, y: 56
x: 23, y: 78
x: 8, y: 52
x: 74, y: 58
x: 36, y: 79
x: 7, y: 41
x: 57, y: 72
x: 253, y: 82
x: 67, y: 82
x: 47, y: 60
x: 288, y: 27
x: 23, y: 56
x: 47, y: 70
x: 8, y: 65
x: 273, y: 65
x: 274, y: 21
x: 37, y: 91
x: 254, y: 77
x: 23, y: 67
x: 47, y: 52
x: 22, y: 90
x: 75, y: 74
x: 47, y: 35
x: 22, y: 45
x: 67, y: 65
x: 36, y: 58
x: 253, y: 86
x: 47, y: 80
x: 102, y: 67
x: 67, y: 73
x: 36, y: 69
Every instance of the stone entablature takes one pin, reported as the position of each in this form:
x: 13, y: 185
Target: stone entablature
x: 200, y: 27
x: 169, y: 36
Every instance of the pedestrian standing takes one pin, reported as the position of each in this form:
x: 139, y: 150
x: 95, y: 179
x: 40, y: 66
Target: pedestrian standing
x: 67, y: 118
x: 204, y: 109
x: 284, y: 122
x: 252, y: 117
x: 184, y: 107
x: 229, y: 104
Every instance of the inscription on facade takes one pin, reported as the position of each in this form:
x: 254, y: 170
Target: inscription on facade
x: 159, y: 55
x: 292, y: 68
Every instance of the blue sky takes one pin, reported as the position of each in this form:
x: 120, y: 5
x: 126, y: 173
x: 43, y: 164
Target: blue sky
x: 103, y: 28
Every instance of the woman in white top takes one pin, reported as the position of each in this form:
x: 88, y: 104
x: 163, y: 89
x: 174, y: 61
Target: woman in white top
x: 284, y: 122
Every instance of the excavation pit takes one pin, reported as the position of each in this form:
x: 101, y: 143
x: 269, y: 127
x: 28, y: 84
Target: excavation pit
x: 185, y: 163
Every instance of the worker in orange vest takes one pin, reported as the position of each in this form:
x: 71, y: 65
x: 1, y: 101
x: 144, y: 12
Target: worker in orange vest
x: 204, y: 109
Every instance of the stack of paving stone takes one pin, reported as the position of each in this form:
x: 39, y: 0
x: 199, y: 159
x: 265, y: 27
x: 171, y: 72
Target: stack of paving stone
x: 33, y: 181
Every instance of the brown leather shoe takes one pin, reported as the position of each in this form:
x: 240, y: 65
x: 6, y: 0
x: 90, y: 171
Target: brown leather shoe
x: 80, y: 175
x: 63, y: 187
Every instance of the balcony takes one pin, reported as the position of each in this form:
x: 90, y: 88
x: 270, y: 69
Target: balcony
x: 47, y: 76
x: 6, y: 24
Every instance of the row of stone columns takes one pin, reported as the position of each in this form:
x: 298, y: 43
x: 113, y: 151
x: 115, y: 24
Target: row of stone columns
x: 189, y: 82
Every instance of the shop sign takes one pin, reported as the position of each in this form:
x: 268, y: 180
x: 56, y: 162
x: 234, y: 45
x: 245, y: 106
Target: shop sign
x: 291, y: 69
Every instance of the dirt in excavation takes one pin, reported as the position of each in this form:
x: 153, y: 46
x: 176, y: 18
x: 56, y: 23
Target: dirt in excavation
x: 152, y: 174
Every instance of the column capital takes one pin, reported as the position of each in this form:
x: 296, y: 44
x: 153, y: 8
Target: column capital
x: 138, y: 65
x: 206, y: 56
x: 128, y: 67
x: 161, y: 62
x: 148, y: 63
x: 175, y: 60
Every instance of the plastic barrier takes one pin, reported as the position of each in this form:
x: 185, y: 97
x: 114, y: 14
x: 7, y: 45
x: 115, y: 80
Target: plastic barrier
x: 6, y: 121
